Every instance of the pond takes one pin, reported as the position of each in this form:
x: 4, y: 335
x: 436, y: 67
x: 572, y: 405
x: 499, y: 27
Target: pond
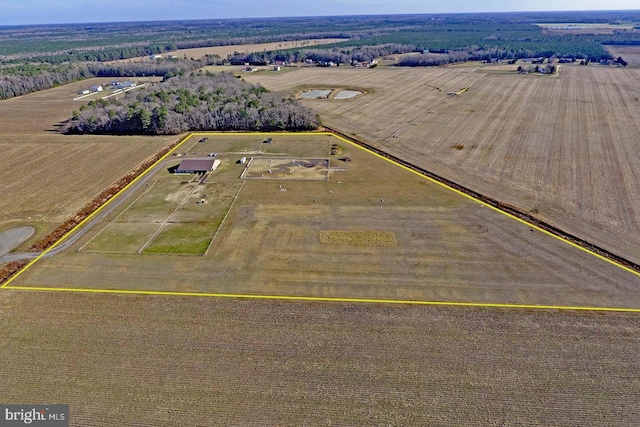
x: 315, y: 94
x: 346, y: 94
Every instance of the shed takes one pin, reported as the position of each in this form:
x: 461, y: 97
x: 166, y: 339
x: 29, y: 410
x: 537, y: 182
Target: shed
x: 124, y: 85
x: 96, y: 88
x: 197, y: 165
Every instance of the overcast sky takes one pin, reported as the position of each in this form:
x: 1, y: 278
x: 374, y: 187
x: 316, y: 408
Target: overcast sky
x: 15, y: 12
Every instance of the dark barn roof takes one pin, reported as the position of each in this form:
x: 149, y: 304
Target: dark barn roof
x: 195, y: 165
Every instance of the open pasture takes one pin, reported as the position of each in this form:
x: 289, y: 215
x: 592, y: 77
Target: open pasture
x: 237, y: 145
x: 565, y: 148
x: 373, y: 231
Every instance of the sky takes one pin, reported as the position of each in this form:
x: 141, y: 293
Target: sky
x: 19, y: 12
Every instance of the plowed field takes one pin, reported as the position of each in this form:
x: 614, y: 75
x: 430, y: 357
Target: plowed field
x: 132, y: 360
x: 45, y: 176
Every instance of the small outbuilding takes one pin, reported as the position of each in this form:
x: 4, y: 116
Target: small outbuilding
x: 97, y: 88
x: 198, y: 165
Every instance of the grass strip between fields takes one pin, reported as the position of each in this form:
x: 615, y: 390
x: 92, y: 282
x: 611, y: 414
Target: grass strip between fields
x: 326, y: 299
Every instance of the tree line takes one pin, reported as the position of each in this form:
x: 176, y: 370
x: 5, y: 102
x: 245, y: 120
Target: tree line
x: 17, y: 85
x: 433, y: 59
x: 193, y: 102
x: 337, y: 54
x: 24, y: 79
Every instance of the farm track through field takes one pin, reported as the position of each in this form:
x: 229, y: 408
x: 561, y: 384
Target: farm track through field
x: 506, y: 208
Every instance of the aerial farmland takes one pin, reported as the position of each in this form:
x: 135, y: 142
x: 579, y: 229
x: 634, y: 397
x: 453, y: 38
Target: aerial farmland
x: 450, y: 245
x: 296, y: 221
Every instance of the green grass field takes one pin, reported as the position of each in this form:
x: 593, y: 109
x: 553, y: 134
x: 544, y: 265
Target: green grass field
x: 169, y: 217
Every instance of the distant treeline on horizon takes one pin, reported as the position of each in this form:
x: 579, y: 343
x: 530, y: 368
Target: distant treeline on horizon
x: 36, y: 57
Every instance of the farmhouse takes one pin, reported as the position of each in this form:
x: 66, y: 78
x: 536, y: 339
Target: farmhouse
x: 197, y: 165
x: 123, y: 85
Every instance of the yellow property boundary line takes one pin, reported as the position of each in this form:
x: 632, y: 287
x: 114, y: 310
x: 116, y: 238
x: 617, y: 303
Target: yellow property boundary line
x: 321, y: 299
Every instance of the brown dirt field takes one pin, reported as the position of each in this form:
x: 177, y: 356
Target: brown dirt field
x: 225, y: 51
x: 631, y: 54
x: 290, y: 168
x: 45, y: 176
x: 565, y: 148
x: 132, y: 360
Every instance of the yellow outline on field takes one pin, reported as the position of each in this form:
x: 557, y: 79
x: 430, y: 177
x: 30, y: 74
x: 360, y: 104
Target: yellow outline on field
x: 332, y: 299
x: 321, y: 299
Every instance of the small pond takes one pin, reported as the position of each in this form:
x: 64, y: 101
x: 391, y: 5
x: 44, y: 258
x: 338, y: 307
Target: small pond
x: 315, y: 94
x: 346, y: 94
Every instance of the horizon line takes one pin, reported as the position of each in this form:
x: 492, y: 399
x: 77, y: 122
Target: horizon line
x: 4, y: 26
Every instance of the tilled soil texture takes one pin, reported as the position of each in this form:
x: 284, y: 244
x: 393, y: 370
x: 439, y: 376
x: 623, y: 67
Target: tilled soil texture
x: 134, y: 360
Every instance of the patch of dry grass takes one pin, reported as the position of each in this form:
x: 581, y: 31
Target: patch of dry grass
x: 357, y: 238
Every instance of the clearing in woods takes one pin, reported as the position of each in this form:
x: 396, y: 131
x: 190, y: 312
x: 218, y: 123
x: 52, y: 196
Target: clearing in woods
x: 372, y: 231
x: 225, y: 51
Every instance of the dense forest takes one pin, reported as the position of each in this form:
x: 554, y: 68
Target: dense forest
x: 196, y: 102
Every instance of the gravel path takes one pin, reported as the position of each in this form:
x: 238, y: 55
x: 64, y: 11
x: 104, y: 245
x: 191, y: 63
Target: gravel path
x: 7, y: 257
x: 11, y: 238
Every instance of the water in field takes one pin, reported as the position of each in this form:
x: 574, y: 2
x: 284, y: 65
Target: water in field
x: 315, y: 94
x: 345, y: 94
